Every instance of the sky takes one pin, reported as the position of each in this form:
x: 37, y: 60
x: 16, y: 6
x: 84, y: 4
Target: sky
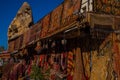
x: 9, y: 9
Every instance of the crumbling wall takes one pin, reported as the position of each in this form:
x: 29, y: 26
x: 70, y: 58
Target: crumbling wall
x: 22, y: 21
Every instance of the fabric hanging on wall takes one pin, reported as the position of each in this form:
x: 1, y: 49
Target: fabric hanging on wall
x: 116, y: 57
x: 102, y: 68
x: 67, y: 13
x: 39, y: 30
x: 41, y: 60
x: 76, y: 4
x: 32, y: 34
x: 13, y: 73
x: 70, y: 66
x: 86, y: 60
x: 79, y: 67
x: 38, y: 47
x: 64, y: 60
x: 67, y: 5
x: 38, y: 35
x: 107, y: 6
x: 29, y: 69
x: 6, y: 70
x: 55, y: 19
x: 45, y: 25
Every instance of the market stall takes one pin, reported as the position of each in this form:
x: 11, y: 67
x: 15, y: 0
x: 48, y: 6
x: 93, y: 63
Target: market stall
x: 69, y: 45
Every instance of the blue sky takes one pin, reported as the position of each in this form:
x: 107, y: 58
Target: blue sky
x: 9, y: 8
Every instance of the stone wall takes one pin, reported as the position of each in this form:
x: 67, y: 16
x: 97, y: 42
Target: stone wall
x: 21, y: 22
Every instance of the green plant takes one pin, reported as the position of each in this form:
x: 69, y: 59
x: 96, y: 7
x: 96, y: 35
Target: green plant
x: 38, y: 74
